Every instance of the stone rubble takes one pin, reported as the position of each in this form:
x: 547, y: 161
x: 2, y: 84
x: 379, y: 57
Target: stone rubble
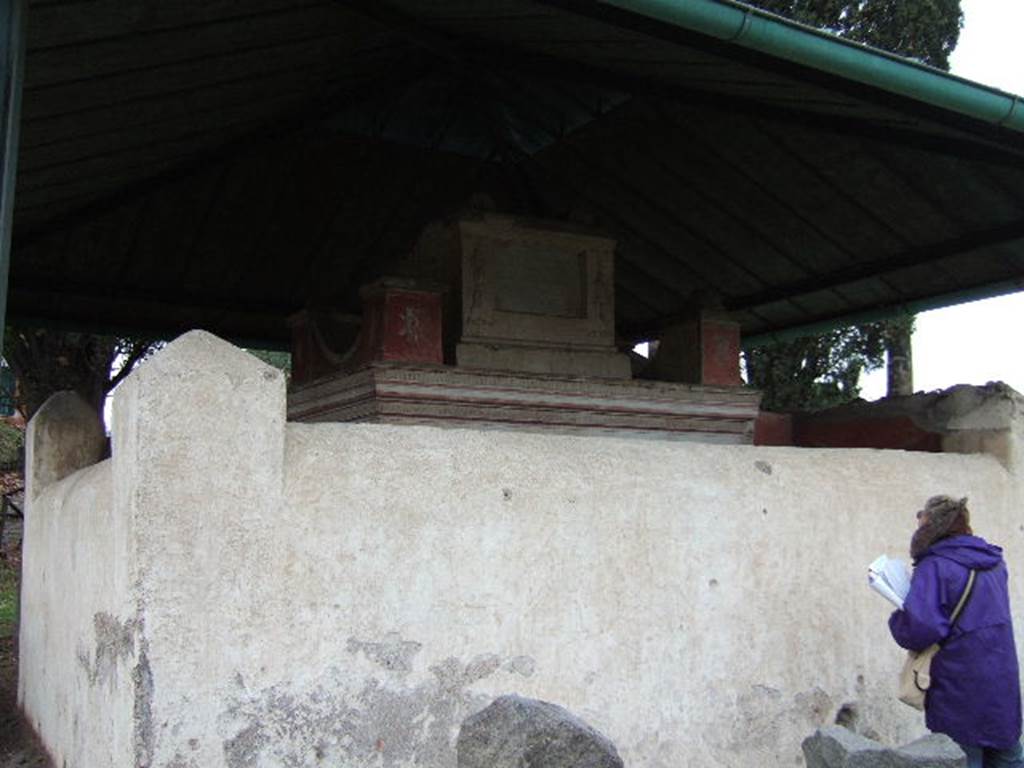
x: 514, y: 731
x: 837, y: 747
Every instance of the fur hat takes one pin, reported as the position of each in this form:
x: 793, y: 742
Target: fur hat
x: 943, y: 516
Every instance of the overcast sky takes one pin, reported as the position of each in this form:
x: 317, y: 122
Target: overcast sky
x: 975, y: 343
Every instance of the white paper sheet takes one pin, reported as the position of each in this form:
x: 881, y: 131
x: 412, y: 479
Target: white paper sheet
x: 890, y: 578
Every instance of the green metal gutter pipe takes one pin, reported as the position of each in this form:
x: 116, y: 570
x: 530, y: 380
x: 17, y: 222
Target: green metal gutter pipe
x: 885, y: 313
x: 764, y: 32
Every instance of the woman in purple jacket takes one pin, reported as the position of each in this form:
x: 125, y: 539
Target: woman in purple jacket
x: 975, y: 684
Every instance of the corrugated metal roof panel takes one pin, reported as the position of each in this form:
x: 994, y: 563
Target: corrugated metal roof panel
x: 258, y: 159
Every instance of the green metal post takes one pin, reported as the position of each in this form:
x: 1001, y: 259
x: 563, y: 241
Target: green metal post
x: 12, y: 67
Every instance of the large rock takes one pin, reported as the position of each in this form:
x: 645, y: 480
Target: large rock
x: 837, y: 747
x: 514, y: 731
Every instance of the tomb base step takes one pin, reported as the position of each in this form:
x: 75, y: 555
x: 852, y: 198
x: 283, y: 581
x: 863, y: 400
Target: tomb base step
x: 403, y: 393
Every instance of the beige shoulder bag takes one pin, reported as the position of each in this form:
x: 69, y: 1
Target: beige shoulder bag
x: 915, y: 678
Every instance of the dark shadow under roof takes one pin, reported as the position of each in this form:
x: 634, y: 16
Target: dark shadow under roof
x: 222, y: 165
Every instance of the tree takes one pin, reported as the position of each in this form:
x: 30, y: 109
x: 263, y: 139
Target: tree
x: 821, y: 371
x: 926, y: 30
x: 46, y: 361
x: 808, y: 373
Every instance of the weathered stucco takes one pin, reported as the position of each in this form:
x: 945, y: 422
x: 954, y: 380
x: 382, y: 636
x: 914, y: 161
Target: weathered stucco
x: 310, y: 594
x: 77, y: 633
x: 73, y: 436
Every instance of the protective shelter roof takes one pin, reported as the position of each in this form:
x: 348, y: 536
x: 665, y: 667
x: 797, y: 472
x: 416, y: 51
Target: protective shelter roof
x: 222, y: 165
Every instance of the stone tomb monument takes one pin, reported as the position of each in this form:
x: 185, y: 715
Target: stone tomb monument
x: 514, y: 327
x: 537, y: 298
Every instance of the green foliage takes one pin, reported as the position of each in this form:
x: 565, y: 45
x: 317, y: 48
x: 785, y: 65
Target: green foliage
x: 12, y: 447
x: 8, y: 599
x: 815, y: 372
x: 276, y: 358
x: 927, y: 30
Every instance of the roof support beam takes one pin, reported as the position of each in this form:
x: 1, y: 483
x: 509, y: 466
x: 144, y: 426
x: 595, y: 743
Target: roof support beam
x: 885, y: 312
x: 914, y: 257
x: 83, y: 309
x: 878, y: 268
x: 417, y: 34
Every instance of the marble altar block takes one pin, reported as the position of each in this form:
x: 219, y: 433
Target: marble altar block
x: 536, y: 296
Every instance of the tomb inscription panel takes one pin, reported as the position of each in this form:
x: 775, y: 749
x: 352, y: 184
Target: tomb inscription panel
x: 537, y: 296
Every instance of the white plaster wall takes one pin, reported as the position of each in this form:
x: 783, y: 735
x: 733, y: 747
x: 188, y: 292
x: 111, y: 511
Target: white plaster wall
x: 692, y: 606
x: 701, y: 605
x: 198, y: 456
x: 76, y: 636
x: 347, y: 594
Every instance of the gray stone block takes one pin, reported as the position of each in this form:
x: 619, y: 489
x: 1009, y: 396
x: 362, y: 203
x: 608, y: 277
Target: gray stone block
x: 513, y: 732
x: 933, y: 751
x: 837, y: 747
